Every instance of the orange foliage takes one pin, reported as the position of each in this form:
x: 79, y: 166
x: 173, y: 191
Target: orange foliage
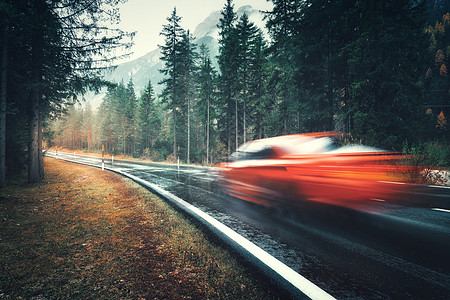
x: 446, y: 19
x: 443, y: 70
x: 439, y: 27
x: 439, y: 58
x: 441, y: 121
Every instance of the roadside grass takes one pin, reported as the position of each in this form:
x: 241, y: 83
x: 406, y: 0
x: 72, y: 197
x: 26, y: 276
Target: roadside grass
x: 86, y: 234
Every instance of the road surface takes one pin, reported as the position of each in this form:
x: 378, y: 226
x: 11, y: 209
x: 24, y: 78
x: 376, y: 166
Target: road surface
x: 391, y: 252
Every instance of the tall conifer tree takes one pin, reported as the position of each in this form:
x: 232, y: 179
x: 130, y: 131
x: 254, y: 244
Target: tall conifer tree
x: 386, y: 65
x: 59, y: 49
x: 171, y: 51
x: 188, y: 58
x: 148, y: 121
x: 130, y: 112
x: 228, y: 81
x: 206, y: 77
x: 246, y: 33
x: 282, y: 23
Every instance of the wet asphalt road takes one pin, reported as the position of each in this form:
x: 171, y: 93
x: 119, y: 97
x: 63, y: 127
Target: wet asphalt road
x: 400, y: 252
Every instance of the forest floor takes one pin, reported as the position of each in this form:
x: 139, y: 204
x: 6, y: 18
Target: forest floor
x: 88, y: 234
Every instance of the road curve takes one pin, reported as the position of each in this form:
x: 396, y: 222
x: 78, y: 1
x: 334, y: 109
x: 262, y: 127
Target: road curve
x: 399, y: 251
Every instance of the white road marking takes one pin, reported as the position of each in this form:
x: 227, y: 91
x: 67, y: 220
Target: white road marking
x: 441, y: 209
x: 439, y: 186
x: 297, y: 280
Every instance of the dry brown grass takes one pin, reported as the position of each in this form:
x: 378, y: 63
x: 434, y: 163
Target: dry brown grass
x: 83, y: 233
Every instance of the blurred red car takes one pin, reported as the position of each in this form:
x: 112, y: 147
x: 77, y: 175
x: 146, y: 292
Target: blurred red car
x: 293, y: 168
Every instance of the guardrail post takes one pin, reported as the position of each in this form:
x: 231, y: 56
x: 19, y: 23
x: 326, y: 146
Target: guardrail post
x: 103, y: 157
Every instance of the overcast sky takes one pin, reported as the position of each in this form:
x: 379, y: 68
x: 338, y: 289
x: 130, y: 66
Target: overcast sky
x: 147, y: 17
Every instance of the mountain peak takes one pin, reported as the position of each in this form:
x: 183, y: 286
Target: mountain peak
x: 248, y: 9
x: 209, y: 26
x: 147, y: 67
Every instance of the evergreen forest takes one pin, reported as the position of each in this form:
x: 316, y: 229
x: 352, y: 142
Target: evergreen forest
x: 375, y: 70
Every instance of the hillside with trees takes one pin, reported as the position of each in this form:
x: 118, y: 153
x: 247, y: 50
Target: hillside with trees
x: 376, y: 70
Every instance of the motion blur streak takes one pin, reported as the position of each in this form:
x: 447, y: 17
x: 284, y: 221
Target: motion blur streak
x: 290, y: 169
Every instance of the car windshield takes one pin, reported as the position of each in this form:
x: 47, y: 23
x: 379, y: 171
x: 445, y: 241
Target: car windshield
x: 253, y: 150
x: 293, y: 145
x: 310, y: 146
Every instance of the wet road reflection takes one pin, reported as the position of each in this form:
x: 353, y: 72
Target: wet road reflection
x: 350, y: 254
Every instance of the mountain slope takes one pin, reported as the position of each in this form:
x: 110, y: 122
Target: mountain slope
x: 147, y: 67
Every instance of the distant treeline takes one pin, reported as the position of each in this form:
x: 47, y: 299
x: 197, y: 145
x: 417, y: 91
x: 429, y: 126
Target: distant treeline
x: 374, y: 69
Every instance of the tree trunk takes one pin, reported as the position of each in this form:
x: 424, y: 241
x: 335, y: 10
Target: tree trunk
x: 89, y: 139
x: 228, y: 134
x: 124, y: 136
x: 34, y: 168
x: 237, y: 131
x: 188, y: 130
x: 35, y: 158
x: 40, y: 150
x: 175, y: 154
x: 259, y: 126
x: 207, y: 137
x: 245, y: 121
x: 330, y: 97
x: 3, y: 85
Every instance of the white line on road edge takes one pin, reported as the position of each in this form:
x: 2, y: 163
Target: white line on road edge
x: 300, y: 282
x: 441, y: 209
x: 439, y: 186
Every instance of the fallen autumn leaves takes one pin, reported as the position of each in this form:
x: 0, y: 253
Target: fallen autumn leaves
x: 84, y: 233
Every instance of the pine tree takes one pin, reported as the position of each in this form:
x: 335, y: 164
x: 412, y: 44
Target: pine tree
x: 173, y: 92
x: 148, y: 120
x: 57, y: 50
x: 246, y: 32
x: 188, y: 58
x: 258, y: 75
x: 88, y: 127
x: 108, y: 120
x: 121, y: 125
x: 360, y: 61
x: 386, y: 63
x: 322, y: 32
x: 437, y: 79
x: 228, y: 79
x: 251, y: 72
x: 285, y: 87
x: 206, y: 78
x: 130, y: 111
x: 3, y: 88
